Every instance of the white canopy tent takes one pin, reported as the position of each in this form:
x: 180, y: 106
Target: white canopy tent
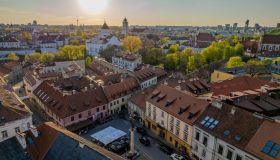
x: 108, y: 135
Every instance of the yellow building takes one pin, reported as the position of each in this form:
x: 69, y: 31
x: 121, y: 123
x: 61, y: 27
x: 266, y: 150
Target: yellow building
x: 217, y: 76
x: 170, y: 114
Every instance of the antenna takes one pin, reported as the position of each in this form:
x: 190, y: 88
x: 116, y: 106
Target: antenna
x: 77, y: 21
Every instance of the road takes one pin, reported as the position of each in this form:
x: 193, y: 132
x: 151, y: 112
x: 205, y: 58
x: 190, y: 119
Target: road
x: 151, y: 152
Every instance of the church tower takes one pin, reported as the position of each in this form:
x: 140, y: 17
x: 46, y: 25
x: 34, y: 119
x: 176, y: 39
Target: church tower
x: 105, y: 30
x: 125, y: 27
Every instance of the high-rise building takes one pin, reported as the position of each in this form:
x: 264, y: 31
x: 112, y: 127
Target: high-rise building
x: 246, y: 25
x: 235, y: 25
x: 125, y: 27
x: 227, y: 27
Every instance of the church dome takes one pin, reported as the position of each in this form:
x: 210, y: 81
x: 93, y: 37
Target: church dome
x: 105, y: 26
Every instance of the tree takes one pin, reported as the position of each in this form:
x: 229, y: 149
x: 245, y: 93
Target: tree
x: 277, y: 60
x: 195, y: 62
x: 171, y: 61
x: 174, y: 48
x: 89, y: 61
x: 267, y: 61
x: 12, y: 56
x: 239, y: 49
x: 132, y: 44
x: 108, y: 52
x: 26, y: 36
x: 69, y: 52
x: 47, y: 57
x: 235, y: 62
x: 153, y: 56
x: 34, y: 57
x: 254, y: 62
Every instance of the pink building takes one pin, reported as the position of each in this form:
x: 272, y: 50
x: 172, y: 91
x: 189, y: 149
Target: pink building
x: 72, y: 101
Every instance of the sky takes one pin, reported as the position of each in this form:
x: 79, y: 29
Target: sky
x: 141, y: 12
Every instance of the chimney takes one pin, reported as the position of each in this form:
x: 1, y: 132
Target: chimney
x: 217, y: 104
x: 91, y: 86
x: 74, y: 92
x: 21, y: 139
x: 34, y: 131
x: 86, y: 89
x: 165, y: 83
x: 233, y: 109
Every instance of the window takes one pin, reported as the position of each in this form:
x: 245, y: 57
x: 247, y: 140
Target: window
x: 103, y: 107
x: 80, y: 116
x: 117, y: 101
x: 4, y: 134
x: 178, y: 123
x: 177, y: 131
x: 89, y: 113
x: 162, y: 123
x: 97, y: 109
x: 122, y: 99
x: 162, y: 114
x: 195, y: 148
x: 17, y: 130
x: 238, y: 157
x: 220, y: 149
x: 28, y: 125
x: 72, y: 118
x: 170, y: 139
x: 203, y: 153
x: 229, y: 154
x: 197, y: 136
x: 205, y: 140
x: 111, y: 104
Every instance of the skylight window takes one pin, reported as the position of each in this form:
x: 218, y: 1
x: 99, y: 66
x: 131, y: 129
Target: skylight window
x: 271, y: 149
x: 226, y: 133
x: 209, y: 122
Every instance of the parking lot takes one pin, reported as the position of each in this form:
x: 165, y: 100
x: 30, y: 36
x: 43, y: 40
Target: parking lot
x: 151, y: 152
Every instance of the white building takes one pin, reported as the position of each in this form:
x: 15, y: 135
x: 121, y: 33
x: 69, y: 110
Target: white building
x: 147, y: 77
x: 269, y: 43
x: 102, y: 41
x: 222, y: 134
x: 127, y: 61
x: 9, y: 42
x: 14, y: 115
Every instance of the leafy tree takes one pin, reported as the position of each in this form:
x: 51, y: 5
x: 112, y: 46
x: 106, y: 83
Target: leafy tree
x: 235, y: 62
x: 267, y: 61
x: 26, y: 36
x: 12, y: 56
x: 174, y: 48
x: 35, y: 57
x: 89, y: 61
x: 239, y: 49
x: 153, y: 56
x: 108, y: 52
x: 47, y: 57
x: 171, y: 61
x: 195, y: 62
x: 254, y: 62
x: 277, y: 60
x: 132, y: 44
x: 69, y: 52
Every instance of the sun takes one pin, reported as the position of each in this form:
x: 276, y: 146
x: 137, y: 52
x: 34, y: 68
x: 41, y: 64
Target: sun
x: 93, y: 6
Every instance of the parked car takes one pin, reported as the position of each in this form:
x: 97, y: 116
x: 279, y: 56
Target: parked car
x: 165, y: 149
x: 175, y: 156
x: 141, y: 130
x: 145, y: 141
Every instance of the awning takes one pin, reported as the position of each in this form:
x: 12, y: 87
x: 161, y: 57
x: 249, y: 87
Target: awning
x: 108, y: 135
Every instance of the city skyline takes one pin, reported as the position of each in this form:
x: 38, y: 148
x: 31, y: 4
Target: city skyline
x: 144, y: 12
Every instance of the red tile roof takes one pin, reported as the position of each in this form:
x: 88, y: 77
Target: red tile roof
x: 68, y: 105
x: 121, y: 89
x: 238, y: 123
x: 240, y: 84
x: 271, y: 39
x: 268, y: 131
x: 205, y: 37
x: 139, y: 99
x: 179, y: 104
